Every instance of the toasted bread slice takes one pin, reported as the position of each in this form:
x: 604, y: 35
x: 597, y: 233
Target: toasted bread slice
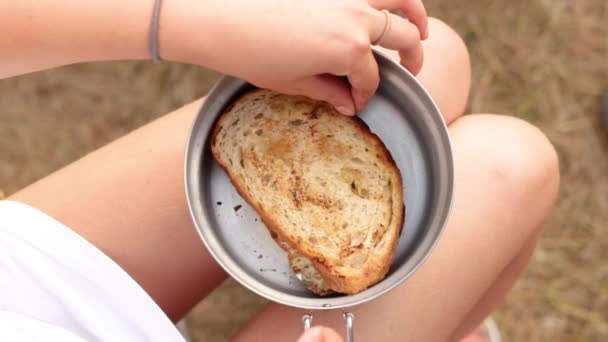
x: 325, y: 186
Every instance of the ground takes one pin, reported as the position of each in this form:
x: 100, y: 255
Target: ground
x: 541, y: 60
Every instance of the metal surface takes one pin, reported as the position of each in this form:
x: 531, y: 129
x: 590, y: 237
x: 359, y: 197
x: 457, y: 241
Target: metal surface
x: 349, y: 323
x: 349, y: 319
x: 407, y: 120
x: 307, y: 321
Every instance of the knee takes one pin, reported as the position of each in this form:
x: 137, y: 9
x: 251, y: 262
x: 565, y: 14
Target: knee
x: 520, y: 161
x: 520, y: 157
x: 451, y: 59
x: 450, y: 41
x: 530, y: 161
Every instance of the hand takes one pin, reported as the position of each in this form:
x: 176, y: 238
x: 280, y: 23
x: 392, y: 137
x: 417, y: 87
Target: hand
x: 320, y: 334
x: 295, y: 47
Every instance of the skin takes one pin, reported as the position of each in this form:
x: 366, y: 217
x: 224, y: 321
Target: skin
x: 506, y: 170
x: 335, y: 41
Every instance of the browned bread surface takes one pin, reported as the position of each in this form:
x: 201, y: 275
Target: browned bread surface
x: 324, y: 185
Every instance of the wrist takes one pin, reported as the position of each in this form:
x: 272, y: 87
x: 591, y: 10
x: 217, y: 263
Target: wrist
x: 119, y: 30
x: 44, y: 34
x: 84, y: 31
x: 188, y: 32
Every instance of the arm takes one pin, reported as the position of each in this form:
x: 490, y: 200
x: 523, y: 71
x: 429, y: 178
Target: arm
x: 295, y: 47
x: 38, y: 35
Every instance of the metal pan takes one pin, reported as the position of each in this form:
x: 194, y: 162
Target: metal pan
x: 407, y: 120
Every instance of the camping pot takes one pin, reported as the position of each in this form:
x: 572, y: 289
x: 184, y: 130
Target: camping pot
x: 407, y: 120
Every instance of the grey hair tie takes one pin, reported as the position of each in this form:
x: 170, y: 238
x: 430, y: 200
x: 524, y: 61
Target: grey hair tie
x: 154, y: 51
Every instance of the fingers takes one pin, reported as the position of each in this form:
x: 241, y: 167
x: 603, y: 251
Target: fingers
x: 413, y: 9
x: 392, y: 54
x: 412, y: 59
x: 323, y: 88
x: 359, y: 64
x: 320, y: 334
x: 401, y: 36
x: 364, y: 80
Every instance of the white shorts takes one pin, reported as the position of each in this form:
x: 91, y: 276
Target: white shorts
x: 56, y: 286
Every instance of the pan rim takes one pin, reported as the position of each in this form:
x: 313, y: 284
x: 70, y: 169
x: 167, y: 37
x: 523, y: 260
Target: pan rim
x: 230, y: 266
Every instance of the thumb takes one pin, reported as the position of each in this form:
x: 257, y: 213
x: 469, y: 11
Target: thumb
x: 323, y: 88
x: 320, y: 334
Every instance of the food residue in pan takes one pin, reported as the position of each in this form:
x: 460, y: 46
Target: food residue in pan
x: 237, y: 208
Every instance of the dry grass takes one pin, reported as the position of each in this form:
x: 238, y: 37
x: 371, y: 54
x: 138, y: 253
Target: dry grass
x: 547, y: 62
x: 543, y: 60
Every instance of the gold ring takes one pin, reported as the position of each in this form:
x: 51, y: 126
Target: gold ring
x: 387, y: 26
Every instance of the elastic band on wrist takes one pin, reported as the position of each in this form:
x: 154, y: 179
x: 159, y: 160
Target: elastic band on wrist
x: 154, y: 51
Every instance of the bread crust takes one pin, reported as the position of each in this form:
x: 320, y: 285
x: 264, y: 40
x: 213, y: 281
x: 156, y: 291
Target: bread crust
x: 376, y: 266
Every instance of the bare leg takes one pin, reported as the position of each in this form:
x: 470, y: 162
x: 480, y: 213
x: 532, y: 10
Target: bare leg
x: 446, y: 72
x: 128, y: 197
x: 496, y: 293
x: 506, y: 184
x: 128, y: 200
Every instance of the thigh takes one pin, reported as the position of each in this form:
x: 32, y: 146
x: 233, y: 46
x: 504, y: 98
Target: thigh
x: 506, y: 182
x: 446, y: 72
x: 128, y: 197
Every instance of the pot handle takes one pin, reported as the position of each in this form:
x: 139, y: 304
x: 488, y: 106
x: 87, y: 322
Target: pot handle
x: 349, y: 319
